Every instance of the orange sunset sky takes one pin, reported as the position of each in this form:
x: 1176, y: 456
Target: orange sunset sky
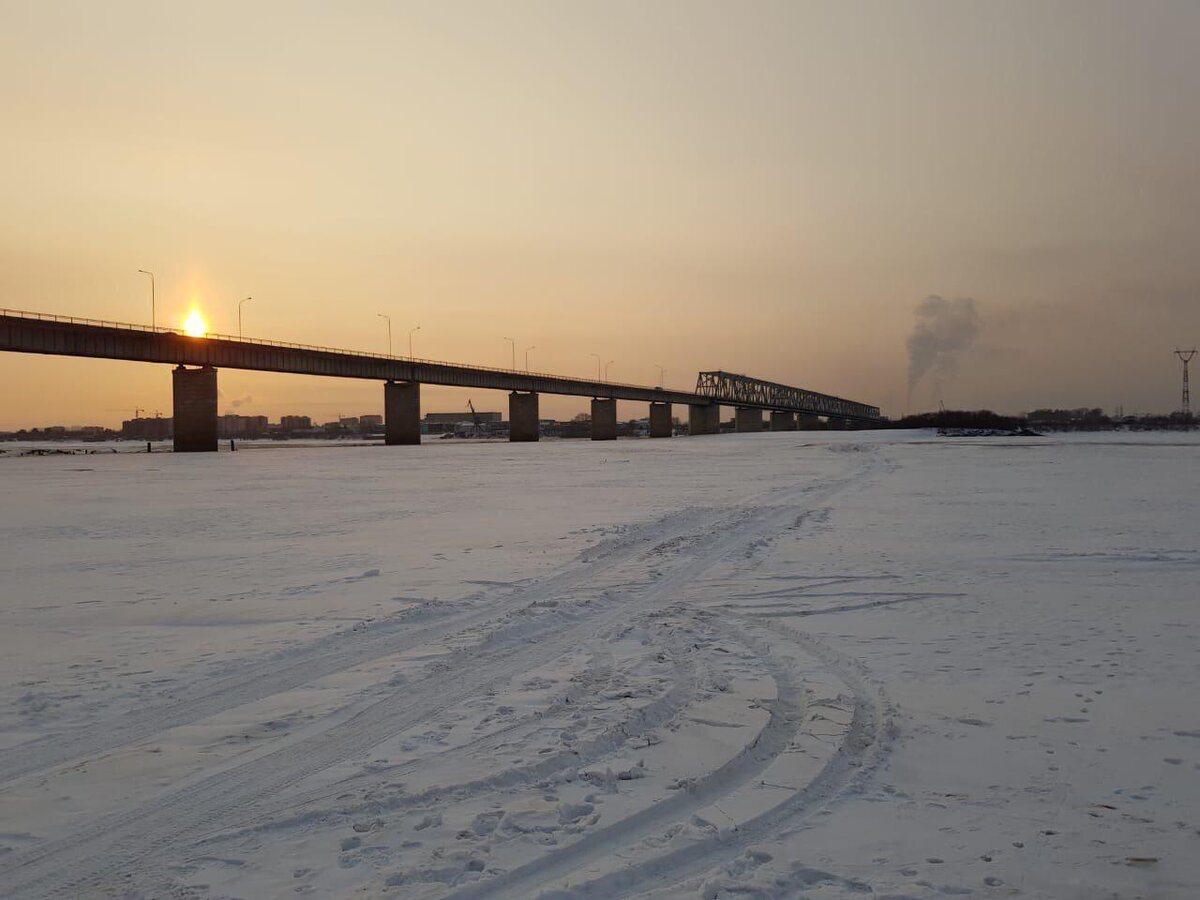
x: 768, y: 188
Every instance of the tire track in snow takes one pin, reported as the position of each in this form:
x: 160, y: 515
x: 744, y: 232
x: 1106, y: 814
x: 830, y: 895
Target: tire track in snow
x: 663, y: 709
x: 325, y: 656
x: 863, y: 745
x: 117, y: 842
x: 787, y: 712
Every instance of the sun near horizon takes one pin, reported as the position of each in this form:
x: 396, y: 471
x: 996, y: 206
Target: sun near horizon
x: 194, y: 325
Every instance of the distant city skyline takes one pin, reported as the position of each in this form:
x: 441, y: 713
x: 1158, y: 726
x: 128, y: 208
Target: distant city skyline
x: 776, y: 189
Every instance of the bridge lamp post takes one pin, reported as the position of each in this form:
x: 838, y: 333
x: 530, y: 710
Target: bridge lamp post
x: 389, y: 321
x: 597, y: 355
x: 606, y: 365
x: 527, y: 349
x: 514, y: 353
x: 411, y: 331
x: 662, y: 375
x: 240, y: 302
x: 153, y: 315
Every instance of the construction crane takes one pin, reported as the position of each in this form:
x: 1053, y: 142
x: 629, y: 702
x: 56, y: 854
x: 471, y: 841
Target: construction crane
x: 137, y: 411
x: 476, y: 423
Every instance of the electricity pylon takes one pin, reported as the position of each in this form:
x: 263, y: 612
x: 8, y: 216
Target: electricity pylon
x: 1186, y: 357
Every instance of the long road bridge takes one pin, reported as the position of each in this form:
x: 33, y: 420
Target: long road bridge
x: 195, y: 388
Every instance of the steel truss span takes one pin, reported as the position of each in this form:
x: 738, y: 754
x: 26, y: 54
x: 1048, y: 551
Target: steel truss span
x: 741, y: 390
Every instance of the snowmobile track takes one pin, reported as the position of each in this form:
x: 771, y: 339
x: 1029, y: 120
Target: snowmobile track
x: 124, y: 845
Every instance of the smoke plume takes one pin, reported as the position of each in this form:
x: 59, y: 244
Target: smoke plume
x: 943, y: 330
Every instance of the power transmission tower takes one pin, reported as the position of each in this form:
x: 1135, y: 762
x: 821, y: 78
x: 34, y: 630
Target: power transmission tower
x: 1186, y: 356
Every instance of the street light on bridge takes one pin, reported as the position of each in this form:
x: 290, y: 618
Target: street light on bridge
x: 597, y: 355
x: 514, y: 353
x: 606, y: 365
x: 240, y: 302
x: 389, y: 321
x: 662, y: 375
x: 153, y: 315
x: 410, y: 334
x: 527, y: 349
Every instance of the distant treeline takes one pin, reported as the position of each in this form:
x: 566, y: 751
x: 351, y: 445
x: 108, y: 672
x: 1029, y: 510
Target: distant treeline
x: 1045, y: 420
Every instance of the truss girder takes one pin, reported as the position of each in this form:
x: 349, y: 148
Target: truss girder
x: 741, y: 390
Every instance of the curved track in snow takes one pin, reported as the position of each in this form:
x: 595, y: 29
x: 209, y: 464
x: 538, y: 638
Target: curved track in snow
x: 675, y: 663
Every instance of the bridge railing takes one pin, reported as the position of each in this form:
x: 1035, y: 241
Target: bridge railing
x: 287, y: 345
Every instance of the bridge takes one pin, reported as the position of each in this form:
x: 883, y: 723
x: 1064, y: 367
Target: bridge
x: 196, y: 361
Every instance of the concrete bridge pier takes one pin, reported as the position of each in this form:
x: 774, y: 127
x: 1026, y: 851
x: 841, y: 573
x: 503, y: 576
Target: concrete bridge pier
x: 194, y: 394
x: 783, y: 421
x: 808, y: 423
x: 660, y: 420
x: 401, y: 412
x: 604, y: 419
x: 749, y: 420
x: 704, y: 419
x: 522, y: 416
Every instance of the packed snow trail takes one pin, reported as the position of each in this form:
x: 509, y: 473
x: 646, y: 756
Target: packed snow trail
x: 305, y: 664
x: 659, y: 565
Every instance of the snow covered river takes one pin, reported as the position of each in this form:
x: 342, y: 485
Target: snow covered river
x: 780, y: 665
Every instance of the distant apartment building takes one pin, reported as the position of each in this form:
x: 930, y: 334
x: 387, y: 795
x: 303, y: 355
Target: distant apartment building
x: 61, y: 433
x: 147, y: 429
x: 370, y: 423
x: 232, y: 425
x: 295, y: 423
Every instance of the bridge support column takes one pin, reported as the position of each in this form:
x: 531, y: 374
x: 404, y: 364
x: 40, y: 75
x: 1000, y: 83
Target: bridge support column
x: 660, y: 420
x: 704, y: 419
x: 749, y: 420
x: 783, y: 421
x: 604, y: 419
x: 195, y: 409
x: 808, y: 423
x: 522, y: 416
x: 401, y: 412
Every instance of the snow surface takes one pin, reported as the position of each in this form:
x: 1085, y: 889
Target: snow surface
x: 779, y: 665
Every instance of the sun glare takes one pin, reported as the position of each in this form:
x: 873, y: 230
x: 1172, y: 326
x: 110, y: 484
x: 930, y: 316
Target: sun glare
x: 194, y: 325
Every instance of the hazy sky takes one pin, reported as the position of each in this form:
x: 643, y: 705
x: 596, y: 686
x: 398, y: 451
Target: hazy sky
x: 768, y: 188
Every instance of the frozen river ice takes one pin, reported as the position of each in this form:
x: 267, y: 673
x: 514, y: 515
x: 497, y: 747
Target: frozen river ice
x: 780, y: 665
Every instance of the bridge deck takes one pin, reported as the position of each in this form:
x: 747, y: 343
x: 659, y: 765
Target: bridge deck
x: 24, y: 332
